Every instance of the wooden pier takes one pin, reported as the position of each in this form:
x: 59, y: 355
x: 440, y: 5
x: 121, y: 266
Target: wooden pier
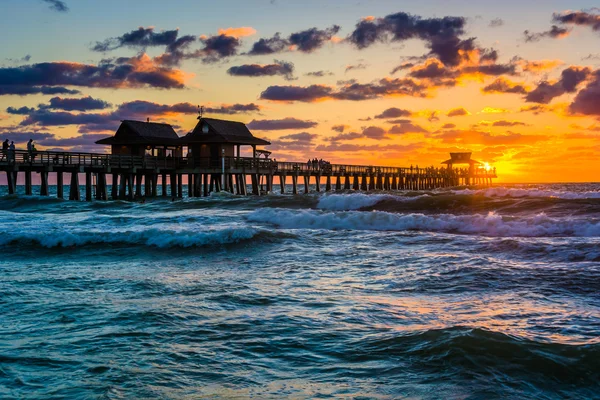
x: 134, y: 176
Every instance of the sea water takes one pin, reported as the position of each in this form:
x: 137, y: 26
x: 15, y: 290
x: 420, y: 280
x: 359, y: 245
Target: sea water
x: 456, y: 294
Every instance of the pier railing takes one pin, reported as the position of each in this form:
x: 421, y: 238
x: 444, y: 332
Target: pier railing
x: 72, y: 159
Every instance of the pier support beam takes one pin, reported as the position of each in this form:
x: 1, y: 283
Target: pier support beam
x: 123, y: 187
x: 114, y: 189
x: 74, y: 187
x: 306, y: 181
x: 282, y: 183
x: 328, y: 183
x: 88, y: 186
x: 338, y: 183
x: 44, y: 185
x: 138, y: 185
x: 60, y: 186
x: 347, y: 182
x: 318, y: 182
x: 28, y: 191
x: 173, y: 182
x: 11, y: 182
x: 295, y: 184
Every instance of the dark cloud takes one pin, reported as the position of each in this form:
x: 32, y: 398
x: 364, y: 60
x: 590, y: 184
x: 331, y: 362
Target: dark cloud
x: 57, y: 5
x: 139, y: 38
x: 81, y: 140
x: 136, y: 110
x: 554, y: 33
x: 20, y: 111
x: 281, y: 124
x: 352, y: 91
x: 587, y: 101
x: 441, y: 34
x: 18, y: 135
x: 219, y: 47
x: 448, y: 126
x: 374, y: 132
x: 407, y: 127
x: 282, y: 68
x: 339, y: 128
x: 70, y: 104
x: 568, y: 82
x: 393, y: 113
x: 457, y: 112
x: 504, y: 123
x: 131, y: 72
x: 312, y: 39
x: 272, y: 45
x: 470, y: 137
x: 401, y: 67
x: 346, y: 136
x: 377, y: 149
x: 355, y: 66
x: 578, y: 18
x: 24, y: 90
x: 496, y: 22
x: 297, y: 93
x: 295, y: 142
x: 502, y: 85
x: 319, y: 74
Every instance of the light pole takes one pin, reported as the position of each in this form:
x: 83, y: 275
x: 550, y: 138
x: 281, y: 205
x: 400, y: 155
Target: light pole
x: 222, y: 169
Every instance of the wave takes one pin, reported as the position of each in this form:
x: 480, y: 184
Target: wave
x: 535, y: 193
x: 160, y: 238
x: 357, y: 201
x: 491, y: 224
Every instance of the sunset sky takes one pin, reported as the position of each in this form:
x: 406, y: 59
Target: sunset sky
x: 365, y: 82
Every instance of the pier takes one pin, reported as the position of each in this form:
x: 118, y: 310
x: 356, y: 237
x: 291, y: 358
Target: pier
x: 147, y: 160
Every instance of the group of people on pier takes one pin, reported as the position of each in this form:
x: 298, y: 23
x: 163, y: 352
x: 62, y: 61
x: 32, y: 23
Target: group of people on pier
x: 318, y: 165
x: 8, y: 151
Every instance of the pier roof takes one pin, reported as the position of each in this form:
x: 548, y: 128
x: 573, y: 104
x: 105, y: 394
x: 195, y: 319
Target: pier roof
x: 138, y: 132
x: 211, y: 130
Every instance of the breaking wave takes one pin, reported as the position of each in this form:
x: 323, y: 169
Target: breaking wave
x: 491, y: 224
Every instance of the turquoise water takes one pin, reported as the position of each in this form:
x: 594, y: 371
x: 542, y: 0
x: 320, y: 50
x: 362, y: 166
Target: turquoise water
x: 479, y: 294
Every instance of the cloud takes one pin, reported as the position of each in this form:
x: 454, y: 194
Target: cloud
x: 587, y: 101
x: 355, y: 66
x: 503, y: 85
x: 441, y: 34
x: 134, y: 72
x: 582, y: 18
x: 457, y: 112
x: 406, y: 127
x: 374, y: 132
x: 501, y: 123
x: 219, y: 47
x: 82, y: 104
x: 339, y: 128
x: 378, y: 149
x: 20, y: 111
x: 538, y: 66
x: 401, y: 67
x: 281, y: 68
x: 496, y: 22
x: 555, y: 32
x: 24, y: 90
x: 352, y: 91
x: 312, y: 39
x: 470, y: 137
x: 57, y: 5
x: 346, y: 136
x: 448, y: 126
x: 393, y: 112
x: 139, y: 38
x: 238, y: 32
x: 81, y: 140
x: 306, y: 41
x: 302, y: 141
x: 136, y: 110
x: 18, y: 135
x: 319, y: 74
x: 281, y: 124
x: 568, y: 82
x: 275, y: 44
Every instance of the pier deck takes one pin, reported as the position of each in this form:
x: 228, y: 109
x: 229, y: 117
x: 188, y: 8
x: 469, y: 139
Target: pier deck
x: 138, y: 176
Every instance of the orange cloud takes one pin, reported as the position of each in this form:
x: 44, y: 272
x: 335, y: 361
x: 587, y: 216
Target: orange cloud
x: 539, y: 65
x: 238, y: 32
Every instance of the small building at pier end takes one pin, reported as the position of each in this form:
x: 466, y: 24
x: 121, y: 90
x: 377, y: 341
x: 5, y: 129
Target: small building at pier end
x: 213, y: 138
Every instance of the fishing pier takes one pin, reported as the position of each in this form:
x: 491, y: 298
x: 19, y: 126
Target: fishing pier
x: 145, y: 156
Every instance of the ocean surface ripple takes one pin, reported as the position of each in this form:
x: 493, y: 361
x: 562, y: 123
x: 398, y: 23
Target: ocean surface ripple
x: 487, y: 293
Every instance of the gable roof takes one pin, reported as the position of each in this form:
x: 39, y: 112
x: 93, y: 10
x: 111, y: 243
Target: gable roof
x: 211, y: 130
x: 138, y: 132
x: 460, y: 158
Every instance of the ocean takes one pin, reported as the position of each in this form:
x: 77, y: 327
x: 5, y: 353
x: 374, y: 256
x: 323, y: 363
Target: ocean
x: 483, y: 293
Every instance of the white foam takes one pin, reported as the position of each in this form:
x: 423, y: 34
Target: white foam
x: 491, y: 224
x: 530, y: 192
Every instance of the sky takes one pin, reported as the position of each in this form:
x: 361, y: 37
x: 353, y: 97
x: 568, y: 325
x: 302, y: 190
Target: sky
x: 364, y: 82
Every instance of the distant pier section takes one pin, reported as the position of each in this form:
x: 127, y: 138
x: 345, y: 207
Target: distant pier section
x: 146, y: 156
